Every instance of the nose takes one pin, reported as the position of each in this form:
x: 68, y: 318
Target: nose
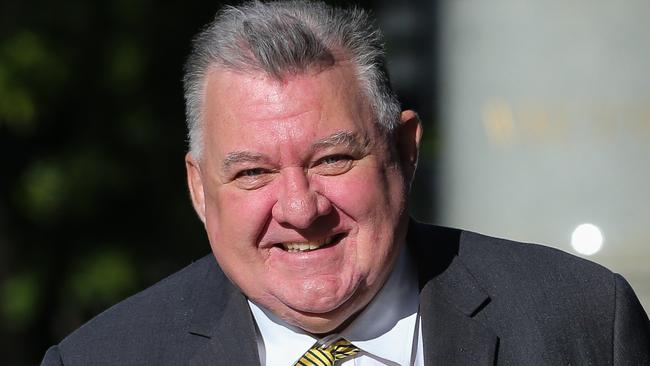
x: 298, y: 205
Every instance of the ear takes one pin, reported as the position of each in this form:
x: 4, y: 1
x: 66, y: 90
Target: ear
x: 195, y: 184
x: 408, y: 135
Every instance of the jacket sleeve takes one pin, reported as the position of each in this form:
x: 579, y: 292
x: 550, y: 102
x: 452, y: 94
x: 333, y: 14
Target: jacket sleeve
x: 631, y: 327
x: 52, y: 357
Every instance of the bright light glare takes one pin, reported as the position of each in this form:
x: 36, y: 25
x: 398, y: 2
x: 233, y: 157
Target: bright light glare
x: 587, y: 239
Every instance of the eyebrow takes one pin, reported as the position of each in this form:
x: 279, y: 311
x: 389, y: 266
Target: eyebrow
x: 239, y: 157
x: 346, y: 138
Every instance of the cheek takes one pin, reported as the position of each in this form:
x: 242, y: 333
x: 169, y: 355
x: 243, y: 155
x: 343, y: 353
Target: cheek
x: 237, y: 216
x: 373, y: 199
x: 362, y: 194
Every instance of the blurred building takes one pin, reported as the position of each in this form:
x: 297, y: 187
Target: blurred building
x: 545, y: 126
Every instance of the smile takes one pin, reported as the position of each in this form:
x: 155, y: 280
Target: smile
x: 293, y: 247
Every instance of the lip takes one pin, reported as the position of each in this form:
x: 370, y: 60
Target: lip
x: 277, y: 243
x: 327, y: 242
x: 325, y: 253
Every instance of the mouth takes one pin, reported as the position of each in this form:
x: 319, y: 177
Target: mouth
x: 308, y: 246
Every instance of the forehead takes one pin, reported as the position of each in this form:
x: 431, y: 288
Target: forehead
x: 238, y: 102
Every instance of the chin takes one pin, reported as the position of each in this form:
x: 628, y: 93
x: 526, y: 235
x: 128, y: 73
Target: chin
x: 324, y: 322
x: 317, y: 324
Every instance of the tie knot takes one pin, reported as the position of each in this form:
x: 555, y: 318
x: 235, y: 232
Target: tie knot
x: 342, y: 348
x: 326, y: 354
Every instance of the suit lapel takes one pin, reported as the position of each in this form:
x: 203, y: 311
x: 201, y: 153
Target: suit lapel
x: 222, y: 324
x: 450, y: 300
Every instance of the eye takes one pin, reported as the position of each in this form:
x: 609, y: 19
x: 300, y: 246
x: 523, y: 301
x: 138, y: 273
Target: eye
x: 250, y: 173
x: 335, y: 159
x: 333, y: 164
x: 252, y: 178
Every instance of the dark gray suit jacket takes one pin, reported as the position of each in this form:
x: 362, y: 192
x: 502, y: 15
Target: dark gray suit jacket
x: 483, y: 301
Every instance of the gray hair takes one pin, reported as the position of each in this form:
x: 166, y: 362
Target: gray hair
x: 286, y: 38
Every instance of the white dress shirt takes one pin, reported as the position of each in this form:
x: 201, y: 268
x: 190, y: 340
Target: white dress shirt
x: 387, y: 331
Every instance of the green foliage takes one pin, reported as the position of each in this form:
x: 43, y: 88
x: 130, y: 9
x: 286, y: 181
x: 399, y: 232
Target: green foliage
x: 19, y: 300
x: 43, y: 190
x: 126, y: 63
x: 102, y: 277
x: 92, y: 140
x: 27, y: 66
x: 60, y: 186
x: 17, y: 109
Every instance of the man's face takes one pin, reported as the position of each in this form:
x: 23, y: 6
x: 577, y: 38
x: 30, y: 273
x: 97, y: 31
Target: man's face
x: 302, y: 197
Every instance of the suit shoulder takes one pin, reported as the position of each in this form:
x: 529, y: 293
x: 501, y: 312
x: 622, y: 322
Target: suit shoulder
x: 495, y: 258
x: 481, y: 251
x: 540, y: 279
x: 541, y: 295
x: 140, y: 321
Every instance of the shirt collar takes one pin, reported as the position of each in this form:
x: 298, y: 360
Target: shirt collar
x: 379, y: 331
x: 283, y: 344
x: 390, y: 318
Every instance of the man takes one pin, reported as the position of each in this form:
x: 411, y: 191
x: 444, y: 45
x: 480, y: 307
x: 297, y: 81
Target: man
x: 299, y: 167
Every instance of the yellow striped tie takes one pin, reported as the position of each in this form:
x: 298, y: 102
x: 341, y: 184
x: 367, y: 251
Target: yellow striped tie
x: 326, y: 355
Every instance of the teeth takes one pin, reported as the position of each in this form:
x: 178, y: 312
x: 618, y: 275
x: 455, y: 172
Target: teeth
x: 305, y: 246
